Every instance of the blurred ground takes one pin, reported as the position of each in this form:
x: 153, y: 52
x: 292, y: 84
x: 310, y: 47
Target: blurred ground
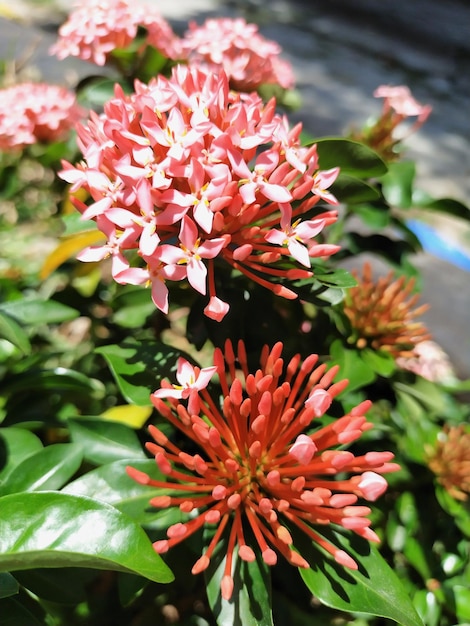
x: 341, y: 51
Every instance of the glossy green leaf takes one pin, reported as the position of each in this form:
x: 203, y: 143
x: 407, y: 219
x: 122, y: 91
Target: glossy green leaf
x: 427, y: 606
x: 375, y: 217
x: 339, y: 278
x: 49, y: 468
x: 442, y: 205
x: 16, y: 444
x: 50, y: 529
x: 351, y: 190
x: 352, y: 157
x: 250, y: 604
x: 8, y: 585
x: 103, y: 441
x: 373, y: 588
x: 139, y: 366
x: 397, y: 184
x: 352, y: 366
x: 60, y: 379
x: 36, y: 311
x: 12, y: 332
x: 110, y: 483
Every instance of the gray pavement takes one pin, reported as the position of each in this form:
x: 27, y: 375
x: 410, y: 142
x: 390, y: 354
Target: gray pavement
x: 341, y: 51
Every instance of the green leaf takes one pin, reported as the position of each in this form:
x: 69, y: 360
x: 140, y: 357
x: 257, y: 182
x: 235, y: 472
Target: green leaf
x: 8, y: 585
x: 397, y: 184
x: 62, y: 585
x: 60, y: 379
x: 375, y: 217
x: 103, y: 441
x: 110, y: 483
x: 36, y: 311
x: 352, y: 366
x: 250, y: 604
x: 16, y: 444
x: 12, y: 332
x: 373, y: 588
x: 17, y: 614
x: 49, y: 529
x: 352, y: 157
x: 351, y: 190
x: 443, y: 205
x: 49, y: 468
x: 338, y: 278
x: 138, y: 367
x: 380, y: 361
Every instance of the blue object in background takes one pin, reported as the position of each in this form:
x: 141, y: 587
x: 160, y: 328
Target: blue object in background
x: 436, y: 244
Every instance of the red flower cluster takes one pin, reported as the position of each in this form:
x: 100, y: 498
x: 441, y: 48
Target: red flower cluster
x: 185, y: 171
x: 261, y: 465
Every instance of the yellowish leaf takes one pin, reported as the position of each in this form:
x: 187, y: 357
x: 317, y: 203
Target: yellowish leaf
x: 68, y: 248
x: 129, y: 414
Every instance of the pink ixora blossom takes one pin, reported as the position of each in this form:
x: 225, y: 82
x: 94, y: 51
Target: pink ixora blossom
x: 36, y: 112
x: 96, y: 27
x: 248, y: 59
x: 262, y: 463
x: 191, y: 174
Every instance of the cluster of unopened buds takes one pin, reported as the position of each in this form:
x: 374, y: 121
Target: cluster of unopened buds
x: 263, y: 465
x: 186, y: 173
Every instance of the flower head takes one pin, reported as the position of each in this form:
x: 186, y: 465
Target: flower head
x: 450, y: 461
x: 248, y: 59
x: 381, y: 314
x: 429, y: 361
x: 36, y: 112
x: 202, y: 175
x: 97, y: 27
x: 398, y: 106
x: 263, y: 467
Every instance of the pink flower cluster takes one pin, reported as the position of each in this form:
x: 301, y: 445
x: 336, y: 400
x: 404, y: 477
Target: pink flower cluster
x: 247, y: 57
x: 399, y: 100
x: 186, y: 173
x: 36, y: 112
x: 97, y: 27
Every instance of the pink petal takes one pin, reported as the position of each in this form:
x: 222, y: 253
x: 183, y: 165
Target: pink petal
x: 303, y: 449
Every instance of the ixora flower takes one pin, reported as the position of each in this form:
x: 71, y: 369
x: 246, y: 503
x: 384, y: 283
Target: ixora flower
x: 450, y: 460
x: 429, y: 361
x: 190, y: 174
x: 263, y: 466
x: 398, y: 105
x: 36, y: 112
x: 382, y: 316
x: 97, y: 27
x: 248, y: 59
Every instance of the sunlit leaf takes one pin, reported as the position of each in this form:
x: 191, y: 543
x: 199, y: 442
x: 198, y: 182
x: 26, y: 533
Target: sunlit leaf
x: 397, y: 184
x: 373, y: 588
x: 352, y: 157
x: 16, y: 444
x: 68, y: 248
x: 35, y: 311
x: 352, y: 366
x: 49, y: 468
x: 50, y: 529
x: 12, y: 332
x: 128, y: 414
x: 104, y: 442
x: 138, y: 367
